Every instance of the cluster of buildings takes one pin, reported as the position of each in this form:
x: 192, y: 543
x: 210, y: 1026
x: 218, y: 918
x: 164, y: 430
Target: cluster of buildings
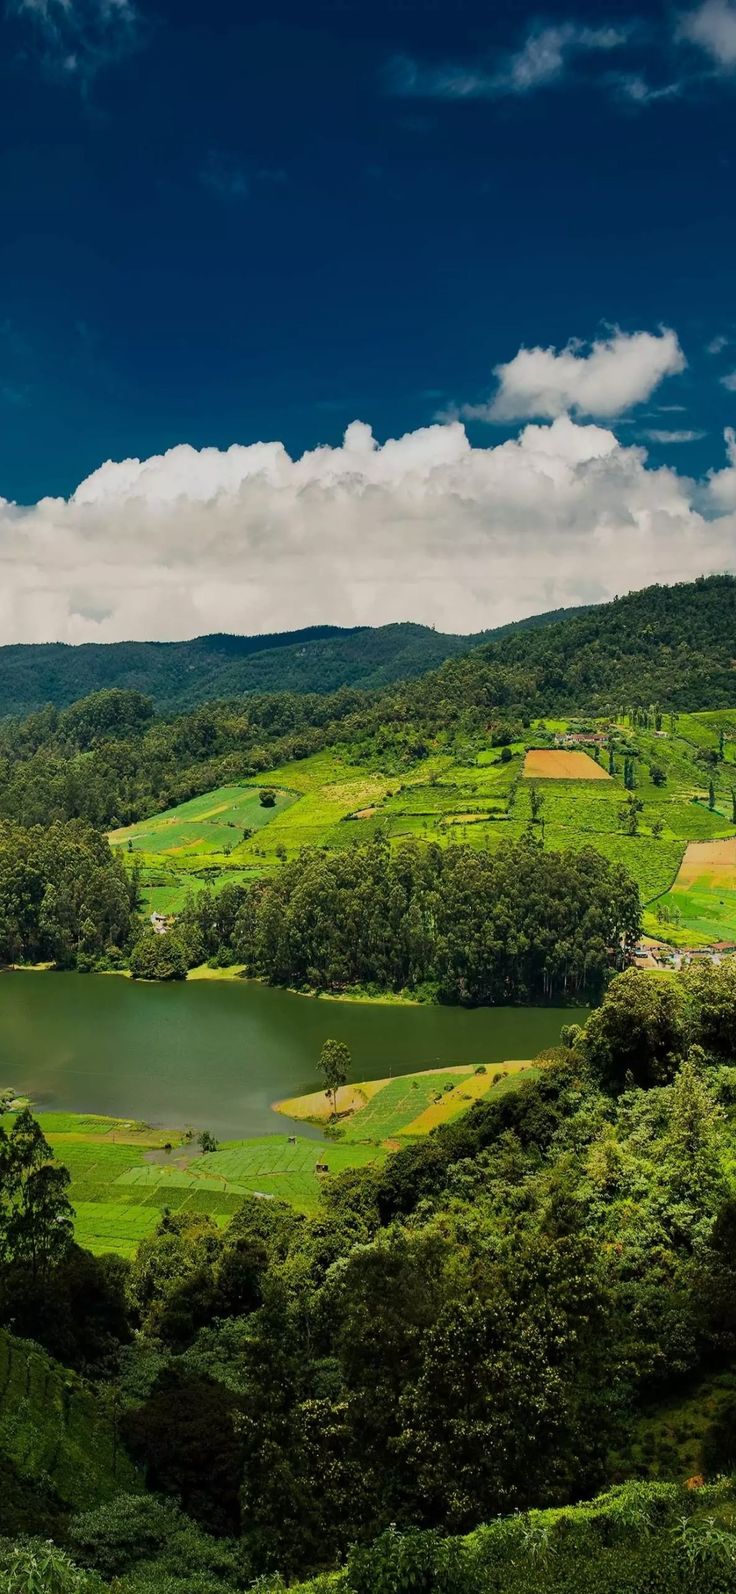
x: 581, y: 739
x: 651, y: 954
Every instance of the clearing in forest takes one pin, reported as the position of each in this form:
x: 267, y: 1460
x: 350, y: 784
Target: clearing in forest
x: 552, y: 763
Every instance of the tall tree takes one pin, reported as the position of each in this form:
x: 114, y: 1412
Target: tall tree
x: 333, y: 1064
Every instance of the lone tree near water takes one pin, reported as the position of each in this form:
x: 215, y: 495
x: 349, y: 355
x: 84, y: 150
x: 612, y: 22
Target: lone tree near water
x: 334, y: 1064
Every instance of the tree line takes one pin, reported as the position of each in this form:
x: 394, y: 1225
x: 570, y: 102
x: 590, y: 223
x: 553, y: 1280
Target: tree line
x: 516, y: 925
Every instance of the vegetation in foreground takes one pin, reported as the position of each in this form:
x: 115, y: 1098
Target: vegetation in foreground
x: 498, y: 1321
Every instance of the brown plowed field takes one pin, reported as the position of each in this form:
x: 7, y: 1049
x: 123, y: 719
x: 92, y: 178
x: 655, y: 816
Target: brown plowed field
x: 551, y: 763
x: 709, y: 861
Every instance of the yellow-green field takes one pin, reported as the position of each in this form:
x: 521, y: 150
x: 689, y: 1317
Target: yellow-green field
x: 326, y: 801
x: 125, y: 1175
x: 703, y: 896
x: 123, y: 1178
x: 384, y: 1110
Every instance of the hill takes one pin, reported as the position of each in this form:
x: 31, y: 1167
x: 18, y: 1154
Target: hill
x: 178, y: 675
x: 675, y: 646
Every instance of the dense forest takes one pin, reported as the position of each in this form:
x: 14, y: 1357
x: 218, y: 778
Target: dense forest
x: 487, y: 1326
x: 111, y: 759
x: 519, y: 925
x: 178, y: 675
x: 64, y: 897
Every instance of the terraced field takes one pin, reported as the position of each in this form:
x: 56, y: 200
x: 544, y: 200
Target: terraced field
x: 482, y: 801
x: 123, y: 1178
x: 704, y: 893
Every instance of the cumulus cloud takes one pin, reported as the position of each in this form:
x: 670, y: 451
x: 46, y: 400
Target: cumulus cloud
x: 78, y: 37
x: 602, y: 379
x: 543, y: 59
x: 425, y: 527
x: 729, y: 381
x: 712, y: 27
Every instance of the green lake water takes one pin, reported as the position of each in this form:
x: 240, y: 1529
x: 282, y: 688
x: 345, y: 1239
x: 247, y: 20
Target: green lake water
x: 217, y: 1054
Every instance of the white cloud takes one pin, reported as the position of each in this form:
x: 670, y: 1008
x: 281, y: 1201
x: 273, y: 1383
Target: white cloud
x: 721, y: 484
x: 78, y: 37
x: 729, y: 381
x: 602, y: 379
x: 655, y: 435
x: 425, y: 527
x: 543, y: 58
x: 717, y: 344
x: 712, y: 27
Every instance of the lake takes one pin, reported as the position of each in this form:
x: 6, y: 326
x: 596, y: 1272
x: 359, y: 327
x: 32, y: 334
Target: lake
x: 217, y: 1054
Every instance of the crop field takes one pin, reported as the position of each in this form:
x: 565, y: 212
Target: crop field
x: 481, y: 798
x: 212, y: 823
x: 193, y: 844
x: 54, y: 1433
x: 703, y: 897
x: 380, y: 1110
x: 122, y: 1178
x: 552, y: 763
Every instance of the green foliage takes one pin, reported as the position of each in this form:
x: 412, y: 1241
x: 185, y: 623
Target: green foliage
x: 159, y: 957
x: 42, y: 1569
x: 516, y: 926
x: 58, y: 1445
x: 63, y: 896
x: 638, y: 1034
x: 334, y: 1064
x: 35, y: 1214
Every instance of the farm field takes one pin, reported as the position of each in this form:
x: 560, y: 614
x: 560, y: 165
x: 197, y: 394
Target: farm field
x: 552, y: 763
x: 193, y: 843
x: 703, y: 897
x: 123, y: 1176
x: 379, y: 1110
x: 483, y: 799
x: 55, y: 1437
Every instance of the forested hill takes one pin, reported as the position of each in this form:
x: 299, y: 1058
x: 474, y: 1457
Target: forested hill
x: 179, y: 675
x: 672, y: 645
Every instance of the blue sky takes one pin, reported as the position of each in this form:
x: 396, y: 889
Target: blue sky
x: 235, y: 222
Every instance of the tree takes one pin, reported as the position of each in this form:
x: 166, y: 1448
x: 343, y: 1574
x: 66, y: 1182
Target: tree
x: 657, y: 828
x: 206, y: 1141
x: 657, y: 775
x: 536, y: 802
x: 35, y: 1213
x: 628, y: 815
x: 267, y: 797
x: 711, y: 794
x: 334, y: 1064
x: 158, y: 957
x: 639, y: 1032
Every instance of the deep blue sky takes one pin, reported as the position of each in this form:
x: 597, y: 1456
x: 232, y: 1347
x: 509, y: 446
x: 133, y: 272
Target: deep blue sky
x: 232, y: 229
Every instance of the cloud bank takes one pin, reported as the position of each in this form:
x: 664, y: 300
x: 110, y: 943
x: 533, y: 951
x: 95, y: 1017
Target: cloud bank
x: 425, y: 527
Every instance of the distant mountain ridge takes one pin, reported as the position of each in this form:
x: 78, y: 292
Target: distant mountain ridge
x: 179, y: 675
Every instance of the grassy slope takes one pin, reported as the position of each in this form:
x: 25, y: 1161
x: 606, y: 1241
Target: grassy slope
x: 481, y: 803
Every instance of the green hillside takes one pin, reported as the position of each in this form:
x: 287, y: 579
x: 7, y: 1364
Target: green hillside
x: 58, y: 1451
x: 178, y: 675
x: 483, y: 801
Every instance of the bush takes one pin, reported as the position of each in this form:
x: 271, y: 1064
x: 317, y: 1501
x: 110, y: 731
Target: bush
x: 158, y: 957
